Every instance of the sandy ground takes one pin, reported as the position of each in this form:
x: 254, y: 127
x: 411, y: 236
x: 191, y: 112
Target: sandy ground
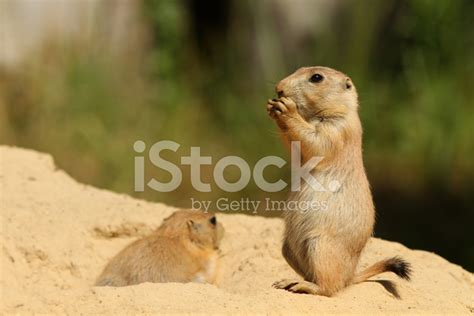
x: 57, y: 234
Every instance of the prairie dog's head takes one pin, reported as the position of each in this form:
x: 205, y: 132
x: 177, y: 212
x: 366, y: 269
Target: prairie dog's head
x: 202, y: 228
x: 319, y: 92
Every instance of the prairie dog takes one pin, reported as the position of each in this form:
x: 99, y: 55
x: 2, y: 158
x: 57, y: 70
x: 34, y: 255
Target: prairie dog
x: 318, y: 106
x: 183, y: 249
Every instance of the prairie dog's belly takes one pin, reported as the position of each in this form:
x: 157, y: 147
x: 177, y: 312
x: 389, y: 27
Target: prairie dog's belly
x: 342, y: 212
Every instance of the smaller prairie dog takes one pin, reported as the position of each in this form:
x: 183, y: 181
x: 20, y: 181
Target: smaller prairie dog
x: 183, y: 249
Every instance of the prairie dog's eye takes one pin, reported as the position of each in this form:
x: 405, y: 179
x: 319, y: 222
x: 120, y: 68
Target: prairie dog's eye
x: 316, y: 78
x: 213, y: 220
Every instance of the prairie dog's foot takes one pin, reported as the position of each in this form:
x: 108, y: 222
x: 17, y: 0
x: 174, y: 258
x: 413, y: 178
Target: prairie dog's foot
x: 297, y: 286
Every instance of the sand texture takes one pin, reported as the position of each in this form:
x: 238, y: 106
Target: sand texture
x: 57, y: 235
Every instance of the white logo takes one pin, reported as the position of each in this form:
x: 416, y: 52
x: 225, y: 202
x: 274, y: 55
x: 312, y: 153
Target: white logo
x: 195, y: 161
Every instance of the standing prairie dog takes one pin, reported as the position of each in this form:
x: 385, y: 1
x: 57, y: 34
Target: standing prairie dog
x: 318, y: 107
x: 183, y: 249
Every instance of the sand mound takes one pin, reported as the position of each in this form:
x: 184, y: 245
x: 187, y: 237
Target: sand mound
x: 58, y: 234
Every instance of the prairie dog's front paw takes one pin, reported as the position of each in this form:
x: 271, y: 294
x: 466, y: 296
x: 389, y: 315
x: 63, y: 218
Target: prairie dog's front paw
x: 283, y: 105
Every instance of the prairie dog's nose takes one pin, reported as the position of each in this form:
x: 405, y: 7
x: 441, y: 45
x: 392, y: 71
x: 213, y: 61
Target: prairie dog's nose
x: 279, y: 89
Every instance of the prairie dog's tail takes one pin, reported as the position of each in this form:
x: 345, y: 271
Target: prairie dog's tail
x: 396, y: 265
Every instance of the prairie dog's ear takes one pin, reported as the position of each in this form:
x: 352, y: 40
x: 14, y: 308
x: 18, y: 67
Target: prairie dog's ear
x: 193, y: 226
x: 348, y: 84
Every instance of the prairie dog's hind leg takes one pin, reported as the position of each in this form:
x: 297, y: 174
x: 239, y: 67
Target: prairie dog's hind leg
x: 329, y: 269
x: 332, y: 266
x: 295, y: 285
x: 291, y: 259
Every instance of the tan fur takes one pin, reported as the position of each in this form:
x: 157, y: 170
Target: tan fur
x: 324, y: 246
x: 371, y: 271
x: 183, y: 249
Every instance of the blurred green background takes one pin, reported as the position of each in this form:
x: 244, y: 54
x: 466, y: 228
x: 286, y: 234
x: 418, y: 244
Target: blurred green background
x: 199, y: 73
